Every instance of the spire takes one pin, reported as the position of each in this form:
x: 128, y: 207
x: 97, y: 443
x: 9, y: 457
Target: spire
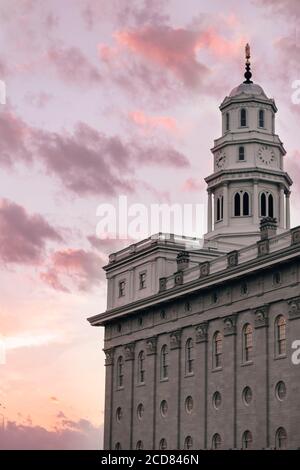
x: 248, y: 73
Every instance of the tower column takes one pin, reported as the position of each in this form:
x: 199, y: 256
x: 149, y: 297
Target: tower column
x: 255, y: 203
x: 209, y: 211
x: 288, y: 214
x: 225, y: 204
x: 281, y: 207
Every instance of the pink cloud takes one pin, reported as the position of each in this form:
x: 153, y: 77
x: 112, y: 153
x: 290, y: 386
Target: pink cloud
x: 173, y: 49
x: 23, y: 236
x: 14, y: 135
x: 86, y: 161
x: 283, y: 7
x: 38, y: 100
x: 192, y: 184
x: 68, y: 435
x: 77, y: 267
x: 149, y: 122
x: 73, y: 66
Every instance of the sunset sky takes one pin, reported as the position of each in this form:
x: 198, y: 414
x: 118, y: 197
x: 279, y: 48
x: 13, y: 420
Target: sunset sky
x: 107, y: 98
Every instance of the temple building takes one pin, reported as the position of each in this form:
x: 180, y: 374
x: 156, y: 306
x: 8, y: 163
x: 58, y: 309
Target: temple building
x: 199, y: 337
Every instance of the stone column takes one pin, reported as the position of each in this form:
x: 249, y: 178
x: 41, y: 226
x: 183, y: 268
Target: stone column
x: 201, y: 399
x: 261, y: 357
x: 209, y: 211
x: 175, y: 365
x: 255, y: 202
x: 129, y: 385
x: 109, y: 378
x: 229, y: 359
x: 151, y: 350
x: 281, y: 207
x: 288, y: 213
x: 225, y: 204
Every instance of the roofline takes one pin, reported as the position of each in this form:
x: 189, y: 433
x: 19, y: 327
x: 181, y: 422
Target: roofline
x: 213, y: 279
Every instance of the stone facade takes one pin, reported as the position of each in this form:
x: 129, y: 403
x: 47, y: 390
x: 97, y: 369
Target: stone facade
x: 199, y: 339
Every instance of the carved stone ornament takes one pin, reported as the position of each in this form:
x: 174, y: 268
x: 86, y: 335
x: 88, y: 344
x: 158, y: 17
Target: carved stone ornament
x: 262, y: 247
x: 295, y: 235
x: 109, y: 356
x: 129, y: 351
x: 151, y: 345
x: 178, y: 279
x: 175, y: 339
x: 162, y: 284
x: 294, y: 308
x: 204, y: 269
x: 232, y: 258
x: 230, y: 325
x: 201, y: 332
x: 261, y: 317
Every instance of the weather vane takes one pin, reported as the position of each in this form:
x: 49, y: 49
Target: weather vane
x: 248, y: 73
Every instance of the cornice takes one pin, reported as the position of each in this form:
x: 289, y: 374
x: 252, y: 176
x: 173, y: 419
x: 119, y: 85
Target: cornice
x: 211, y: 280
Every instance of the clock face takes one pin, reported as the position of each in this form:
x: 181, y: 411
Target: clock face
x: 266, y: 155
x: 220, y: 159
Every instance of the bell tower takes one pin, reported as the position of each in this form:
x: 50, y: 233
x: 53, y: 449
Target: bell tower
x: 249, y: 181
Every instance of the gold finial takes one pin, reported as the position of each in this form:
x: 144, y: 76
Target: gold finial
x: 248, y: 73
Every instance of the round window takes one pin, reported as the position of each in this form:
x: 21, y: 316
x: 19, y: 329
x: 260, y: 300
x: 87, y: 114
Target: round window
x: 189, y: 404
x: 164, y: 408
x: 217, y: 400
x: 247, y: 395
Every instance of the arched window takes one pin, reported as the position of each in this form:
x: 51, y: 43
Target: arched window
x: 219, y: 208
x: 247, y: 343
x: 217, y: 350
x: 120, y: 372
x: 139, y: 445
x: 141, y: 367
x: 247, y: 440
x: 246, y: 204
x: 164, y: 362
x: 280, y: 438
x: 243, y: 118
x: 263, y: 205
x: 270, y: 206
x: 266, y: 205
x: 189, y: 360
x: 261, y: 118
x: 163, y: 444
x: 241, y: 153
x: 227, y: 121
x: 237, y: 205
x: 188, y: 443
x: 216, y: 441
x: 241, y: 204
x: 280, y: 335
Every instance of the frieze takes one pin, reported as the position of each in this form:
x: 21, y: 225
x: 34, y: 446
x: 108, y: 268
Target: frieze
x: 129, y: 351
x: 261, y: 317
x: 201, y: 332
x: 151, y: 344
x: 230, y: 325
x: 294, y: 308
x: 175, y: 339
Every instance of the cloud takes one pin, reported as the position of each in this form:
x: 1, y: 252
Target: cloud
x: 85, y: 160
x: 78, y: 267
x: 73, y: 67
x: 14, y: 136
x: 150, y: 123
x: 23, y: 236
x: 70, y: 435
x: 282, y: 7
x: 122, y: 12
x: 166, y: 63
x: 193, y: 184
x: 38, y: 100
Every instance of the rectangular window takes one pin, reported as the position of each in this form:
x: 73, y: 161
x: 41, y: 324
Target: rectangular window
x: 121, y: 288
x: 241, y: 154
x: 142, y: 280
